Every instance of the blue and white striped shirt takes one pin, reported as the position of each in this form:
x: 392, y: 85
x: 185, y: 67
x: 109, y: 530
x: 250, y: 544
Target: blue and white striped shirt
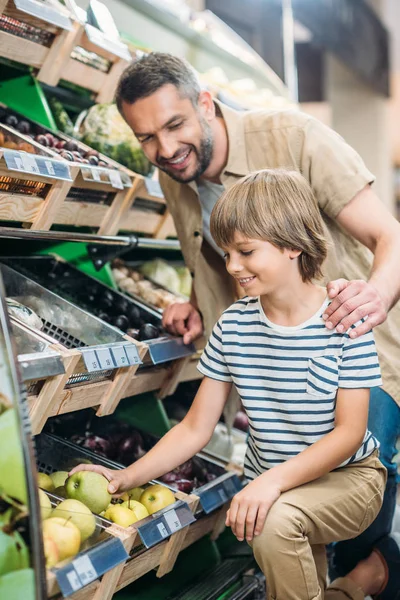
x: 287, y: 378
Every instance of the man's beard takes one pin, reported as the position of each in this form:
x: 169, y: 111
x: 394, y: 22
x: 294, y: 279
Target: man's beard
x: 203, y: 155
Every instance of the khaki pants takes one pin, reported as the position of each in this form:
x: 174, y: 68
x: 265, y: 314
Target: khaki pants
x: 291, y: 548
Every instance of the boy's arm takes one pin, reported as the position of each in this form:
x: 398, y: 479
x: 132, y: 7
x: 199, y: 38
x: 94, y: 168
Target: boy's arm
x: 249, y: 508
x: 181, y: 443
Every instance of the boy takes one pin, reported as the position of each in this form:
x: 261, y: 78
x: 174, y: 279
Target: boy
x: 313, y: 471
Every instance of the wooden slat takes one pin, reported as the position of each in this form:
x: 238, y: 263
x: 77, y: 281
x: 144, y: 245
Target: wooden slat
x: 141, y: 220
x: 3, y: 4
x: 106, y: 94
x: 166, y: 227
x: 23, y: 51
x: 52, y: 204
x: 81, y: 214
x: 121, y: 204
x: 173, y: 378
x: 85, y: 76
x: 59, y: 55
x: 18, y: 207
x: 42, y: 408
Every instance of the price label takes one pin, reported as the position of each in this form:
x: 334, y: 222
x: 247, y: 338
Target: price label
x: 222, y: 495
x: 163, y: 530
x: 105, y: 358
x: 133, y: 355
x: 91, y: 360
x: 153, y: 187
x: 115, y: 179
x: 85, y: 569
x: 73, y: 580
x: 18, y: 162
x: 216, y: 493
x: 120, y: 357
x: 29, y: 163
x: 172, y: 520
x: 114, y: 46
x: 45, y: 12
x: 95, y: 174
x: 49, y: 167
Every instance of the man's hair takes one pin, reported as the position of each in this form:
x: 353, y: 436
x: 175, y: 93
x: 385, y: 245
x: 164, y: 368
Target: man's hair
x: 148, y: 74
x: 277, y: 206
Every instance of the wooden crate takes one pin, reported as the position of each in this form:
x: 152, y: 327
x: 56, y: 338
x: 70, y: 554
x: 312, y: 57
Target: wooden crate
x: 33, y: 200
x: 55, y: 398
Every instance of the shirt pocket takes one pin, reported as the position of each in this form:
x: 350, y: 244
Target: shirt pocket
x: 322, y: 376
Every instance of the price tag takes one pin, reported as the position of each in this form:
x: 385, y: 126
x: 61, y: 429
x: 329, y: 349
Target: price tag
x: 49, y: 167
x: 169, y: 348
x: 44, y: 12
x: 162, y: 529
x: 18, y: 162
x: 91, y: 360
x: 95, y: 174
x: 153, y: 187
x: 74, y: 581
x: 216, y: 493
x: 105, y: 358
x: 29, y: 163
x: 172, y: 520
x: 132, y: 354
x: 116, y: 180
x: 85, y: 569
x: 120, y: 357
x: 116, y: 47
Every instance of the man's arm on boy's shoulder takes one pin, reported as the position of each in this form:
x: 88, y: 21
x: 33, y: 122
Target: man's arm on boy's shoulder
x: 367, y: 220
x: 250, y: 507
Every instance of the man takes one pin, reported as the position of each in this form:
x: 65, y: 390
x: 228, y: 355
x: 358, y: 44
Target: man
x: 202, y: 147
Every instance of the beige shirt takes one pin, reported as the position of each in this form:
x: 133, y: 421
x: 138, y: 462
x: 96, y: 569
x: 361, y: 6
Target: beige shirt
x: 270, y: 139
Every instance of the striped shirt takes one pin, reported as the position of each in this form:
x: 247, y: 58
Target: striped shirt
x: 287, y: 378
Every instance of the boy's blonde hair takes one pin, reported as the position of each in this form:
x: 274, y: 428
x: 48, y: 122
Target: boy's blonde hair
x: 277, y: 206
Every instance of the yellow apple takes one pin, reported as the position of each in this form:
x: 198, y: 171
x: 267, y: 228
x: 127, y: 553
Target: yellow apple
x: 50, y: 551
x: 45, y: 483
x: 156, y: 497
x: 58, y: 478
x: 45, y: 505
x: 64, y: 534
x: 139, y: 509
x: 133, y: 494
x: 90, y: 488
x: 120, y: 515
x: 79, y: 514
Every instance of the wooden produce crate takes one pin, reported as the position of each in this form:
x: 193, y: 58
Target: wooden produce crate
x: 30, y: 191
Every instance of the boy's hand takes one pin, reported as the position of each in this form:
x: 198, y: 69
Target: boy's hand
x: 182, y: 318
x: 118, y: 480
x: 250, y: 507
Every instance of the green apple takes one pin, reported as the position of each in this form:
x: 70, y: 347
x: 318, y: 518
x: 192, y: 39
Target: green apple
x: 120, y: 515
x: 133, y: 494
x: 60, y: 491
x: 45, y: 482
x: 65, y: 535
x: 156, y: 497
x: 45, y: 505
x: 79, y: 514
x: 140, y: 511
x: 12, y: 470
x: 90, y: 488
x: 51, y: 553
x: 58, y: 478
x: 18, y: 584
x: 14, y: 554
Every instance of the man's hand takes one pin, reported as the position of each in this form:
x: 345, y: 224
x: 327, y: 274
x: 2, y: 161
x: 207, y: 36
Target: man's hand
x: 249, y: 508
x: 183, y: 319
x: 118, y: 479
x: 354, y: 300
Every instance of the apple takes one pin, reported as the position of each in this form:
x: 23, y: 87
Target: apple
x: 60, y: 491
x: 12, y: 469
x: 45, y: 505
x: 133, y: 494
x: 45, y: 482
x: 156, y: 497
x: 18, y: 584
x: 51, y: 553
x: 64, y: 534
x: 139, y: 509
x: 120, y: 515
x: 14, y: 554
x: 58, y: 478
x: 79, y: 514
x: 90, y: 488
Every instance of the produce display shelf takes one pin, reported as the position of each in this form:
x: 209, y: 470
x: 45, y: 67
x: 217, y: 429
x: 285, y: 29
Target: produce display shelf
x: 92, y: 351
x: 141, y: 539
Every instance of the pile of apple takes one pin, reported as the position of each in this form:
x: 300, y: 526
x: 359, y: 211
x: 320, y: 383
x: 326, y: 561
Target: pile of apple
x: 72, y: 522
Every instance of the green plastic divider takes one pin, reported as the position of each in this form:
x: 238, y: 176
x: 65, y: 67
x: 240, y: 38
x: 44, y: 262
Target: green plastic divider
x: 25, y: 95
x: 144, y: 411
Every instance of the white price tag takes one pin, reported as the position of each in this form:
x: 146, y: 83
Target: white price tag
x: 74, y: 581
x: 105, y: 359
x: 95, y: 174
x: 18, y: 162
x: 120, y: 358
x: 172, y: 520
x: 49, y: 167
x: 162, y: 529
x: 29, y: 163
x: 116, y: 180
x: 133, y: 355
x: 91, y: 361
x: 85, y: 569
x: 153, y: 187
